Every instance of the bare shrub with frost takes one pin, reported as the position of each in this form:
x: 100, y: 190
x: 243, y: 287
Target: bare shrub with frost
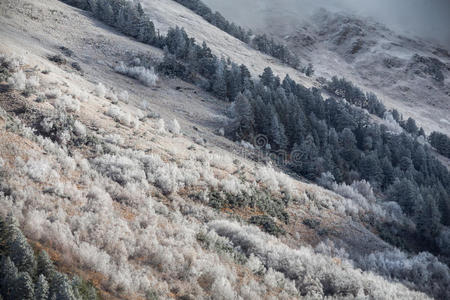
x: 123, y: 118
x: 79, y: 129
x: 67, y: 103
x: 123, y: 96
x: 391, y: 123
x: 275, y: 181
x: 18, y: 81
x: 174, y: 127
x: 39, y: 170
x: 100, y: 90
x: 161, y: 125
x: 147, y: 76
x: 53, y: 93
x: 222, y: 290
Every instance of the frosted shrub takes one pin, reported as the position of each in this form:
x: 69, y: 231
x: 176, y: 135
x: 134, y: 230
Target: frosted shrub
x: 123, y: 96
x: 161, y: 126
x: 115, y: 139
x: 350, y: 193
x: 144, y: 75
x: 365, y: 189
x: 33, y: 82
x: 121, y: 169
x: 223, y: 162
x: 18, y: 81
x: 275, y: 181
x: 174, y: 127
x: 39, y: 170
x: 100, y: 90
x: 222, y: 290
x: 68, y: 104
x: 79, y: 129
x: 326, y: 180
x: 123, y: 118
x: 391, y: 124
x: 53, y: 93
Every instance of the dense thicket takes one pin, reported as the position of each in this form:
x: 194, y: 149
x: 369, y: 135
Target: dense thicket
x: 26, y: 276
x: 319, y: 135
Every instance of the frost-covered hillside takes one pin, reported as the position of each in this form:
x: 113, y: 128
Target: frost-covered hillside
x: 125, y: 178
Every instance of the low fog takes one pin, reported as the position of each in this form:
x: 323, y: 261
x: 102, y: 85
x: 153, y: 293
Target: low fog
x: 425, y: 18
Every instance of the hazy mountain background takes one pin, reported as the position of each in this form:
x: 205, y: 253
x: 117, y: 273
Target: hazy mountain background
x: 423, y: 18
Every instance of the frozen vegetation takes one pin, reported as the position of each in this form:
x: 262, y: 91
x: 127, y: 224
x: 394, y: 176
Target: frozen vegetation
x: 131, y: 204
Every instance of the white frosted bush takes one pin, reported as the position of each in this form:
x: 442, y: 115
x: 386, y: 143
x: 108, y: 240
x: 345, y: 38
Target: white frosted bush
x: 79, y: 129
x: 161, y: 126
x: 123, y: 118
x: 174, y: 127
x: 100, y: 90
x: 255, y: 265
x: 115, y: 139
x: 68, y: 104
x: 53, y: 93
x: 144, y: 75
x: 121, y: 169
x: 221, y: 289
x: 123, y: 96
x: 391, y: 123
x: 33, y: 82
x: 275, y: 181
x: 365, y: 189
x: 18, y: 80
x: 39, y: 170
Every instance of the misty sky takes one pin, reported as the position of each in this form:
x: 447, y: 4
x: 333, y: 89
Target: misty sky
x: 426, y: 18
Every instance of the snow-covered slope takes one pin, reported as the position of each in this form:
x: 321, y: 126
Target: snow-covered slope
x: 122, y: 197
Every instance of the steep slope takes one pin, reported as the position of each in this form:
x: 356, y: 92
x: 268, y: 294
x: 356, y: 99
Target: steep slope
x: 141, y: 211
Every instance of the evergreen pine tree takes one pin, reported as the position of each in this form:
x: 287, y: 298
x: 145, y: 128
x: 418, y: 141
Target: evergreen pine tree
x: 219, y: 85
x: 348, y: 143
x: 21, y: 252
x: 146, y: 32
x: 60, y: 288
x: 42, y: 288
x: 428, y: 216
x: 23, y: 287
x: 304, y: 158
x: 411, y: 126
x: 244, y: 117
x: 45, y: 265
x: 277, y: 133
x: 267, y: 77
x: 8, y: 276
